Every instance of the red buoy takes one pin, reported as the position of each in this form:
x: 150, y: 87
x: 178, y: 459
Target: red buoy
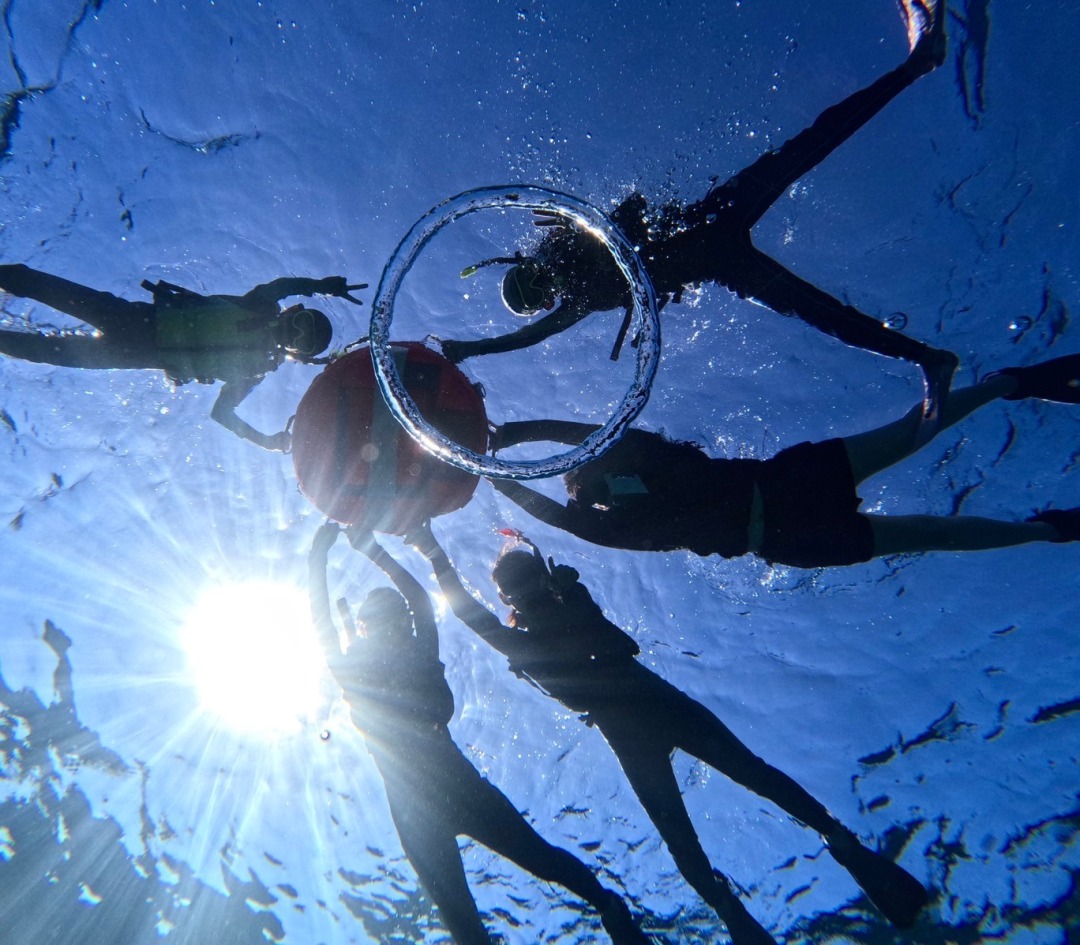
x: 357, y: 464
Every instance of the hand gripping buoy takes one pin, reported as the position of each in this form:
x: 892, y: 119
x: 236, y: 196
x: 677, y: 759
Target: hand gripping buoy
x: 357, y: 464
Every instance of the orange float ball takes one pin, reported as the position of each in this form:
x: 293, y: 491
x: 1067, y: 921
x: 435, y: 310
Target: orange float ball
x: 357, y: 464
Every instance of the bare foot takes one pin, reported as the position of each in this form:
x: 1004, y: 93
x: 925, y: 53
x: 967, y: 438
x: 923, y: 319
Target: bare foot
x: 925, y: 21
x: 937, y: 379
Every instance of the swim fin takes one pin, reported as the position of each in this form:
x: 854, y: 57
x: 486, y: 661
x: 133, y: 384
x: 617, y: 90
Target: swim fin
x: 1057, y: 380
x: 1066, y: 521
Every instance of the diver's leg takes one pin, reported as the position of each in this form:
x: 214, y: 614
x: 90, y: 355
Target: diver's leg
x: 761, y: 278
x: 875, y: 450
x: 700, y: 733
x: 103, y: 310
x: 433, y: 852
x: 46, y: 349
x: 892, y: 889
x: 647, y: 767
x: 753, y: 190
x: 78, y: 351
x: 901, y: 534
x: 764, y: 280
x: 493, y: 820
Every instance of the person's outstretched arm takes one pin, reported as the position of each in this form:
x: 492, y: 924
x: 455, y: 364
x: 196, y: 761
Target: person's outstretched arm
x: 466, y: 608
x: 229, y: 398
x: 272, y: 292
x: 585, y: 522
x: 427, y: 633
x: 569, y: 432
x: 539, y: 505
x: 319, y: 593
x: 562, y: 318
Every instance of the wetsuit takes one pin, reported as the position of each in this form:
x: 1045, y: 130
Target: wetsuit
x: 190, y: 336
x: 402, y: 704
x: 648, y: 493
x: 709, y: 241
x: 588, y: 664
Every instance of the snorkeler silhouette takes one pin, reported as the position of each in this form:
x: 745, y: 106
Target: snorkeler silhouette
x: 559, y: 638
x: 709, y: 241
x: 238, y: 339
x: 396, y: 688
x: 799, y: 508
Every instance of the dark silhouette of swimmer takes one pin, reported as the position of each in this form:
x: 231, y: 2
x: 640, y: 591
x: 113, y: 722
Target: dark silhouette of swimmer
x: 709, y: 241
x: 799, y: 508
x: 559, y: 638
x: 238, y: 339
x: 395, y: 686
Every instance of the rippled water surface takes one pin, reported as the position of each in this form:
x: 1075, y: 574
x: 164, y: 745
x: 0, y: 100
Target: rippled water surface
x: 930, y: 701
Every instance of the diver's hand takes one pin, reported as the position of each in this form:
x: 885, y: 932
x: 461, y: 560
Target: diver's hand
x: 278, y: 442
x: 324, y: 539
x: 422, y: 538
x: 338, y: 286
x: 548, y: 218
x: 452, y: 350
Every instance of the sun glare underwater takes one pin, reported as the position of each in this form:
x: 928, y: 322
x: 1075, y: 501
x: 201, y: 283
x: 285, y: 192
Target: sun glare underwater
x: 177, y: 760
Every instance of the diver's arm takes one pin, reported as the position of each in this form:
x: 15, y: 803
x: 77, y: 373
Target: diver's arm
x: 230, y: 397
x: 545, y: 431
x: 273, y: 292
x: 587, y: 524
x: 319, y: 593
x: 427, y: 633
x: 538, y: 505
x: 466, y: 608
x: 562, y: 318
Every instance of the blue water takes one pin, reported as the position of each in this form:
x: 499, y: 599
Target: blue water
x: 930, y: 701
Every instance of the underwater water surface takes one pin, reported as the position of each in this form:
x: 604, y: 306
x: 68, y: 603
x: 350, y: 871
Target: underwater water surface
x: 930, y: 701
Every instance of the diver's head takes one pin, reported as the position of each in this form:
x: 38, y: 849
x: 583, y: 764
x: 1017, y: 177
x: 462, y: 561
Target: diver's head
x: 384, y: 616
x: 307, y: 332
x: 528, y: 287
x: 523, y: 580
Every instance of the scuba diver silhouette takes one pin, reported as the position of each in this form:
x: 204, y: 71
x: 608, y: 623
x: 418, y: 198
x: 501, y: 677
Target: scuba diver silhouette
x: 710, y: 241
x: 559, y: 638
x: 394, y: 682
x: 238, y: 339
x: 799, y: 508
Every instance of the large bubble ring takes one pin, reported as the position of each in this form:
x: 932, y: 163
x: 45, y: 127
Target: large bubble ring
x: 645, y: 325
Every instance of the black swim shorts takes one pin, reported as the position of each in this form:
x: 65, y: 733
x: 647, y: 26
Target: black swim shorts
x: 811, y: 517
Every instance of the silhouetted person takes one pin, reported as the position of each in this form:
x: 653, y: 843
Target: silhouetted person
x: 559, y: 638
x: 799, y: 508
x: 238, y: 339
x: 396, y: 688
x: 709, y: 241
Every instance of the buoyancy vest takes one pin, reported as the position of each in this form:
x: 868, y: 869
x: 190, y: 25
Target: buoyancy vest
x: 211, y: 338
x: 574, y: 652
